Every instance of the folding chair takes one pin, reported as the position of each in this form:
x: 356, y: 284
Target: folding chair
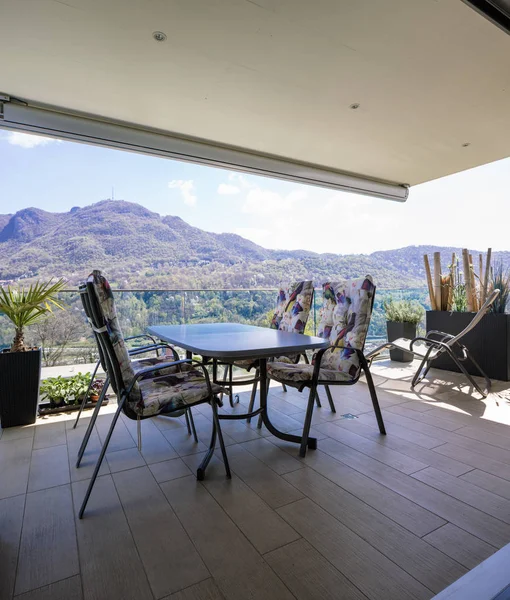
x: 429, y: 349
x: 343, y: 362
x: 158, y: 389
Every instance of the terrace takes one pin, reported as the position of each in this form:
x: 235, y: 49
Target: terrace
x: 368, y: 98
x: 361, y: 517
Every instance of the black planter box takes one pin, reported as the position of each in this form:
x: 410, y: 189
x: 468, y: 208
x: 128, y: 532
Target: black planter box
x: 20, y: 374
x: 488, y: 342
x: 45, y: 408
x: 400, y: 330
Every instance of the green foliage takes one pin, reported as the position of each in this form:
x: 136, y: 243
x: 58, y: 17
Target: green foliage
x: 65, y: 390
x: 459, y: 298
x: 501, y: 282
x: 25, y: 306
x: 403, y: 311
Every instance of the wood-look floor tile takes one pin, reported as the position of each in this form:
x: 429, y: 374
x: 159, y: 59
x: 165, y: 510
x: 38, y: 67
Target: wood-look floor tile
x: 274, y: 490
x: 49, y: 434
x: 275, y: 458
x: 384, y: 454
x: 469, y: 493
x: 431, y: 458
x: 121, y: 438
x: 169, y: 469
x: 411, y: 516
x: 426, y: 564
x: 477, y: 460
x: 48, y: 550
x: 460, y: 545
x: 309, y: 576
x: 237, y: 568
x: 176, y: 564
x: 183, y: 443
x: 155, y: 446
x: 109, y: 561
x: 352, y: 555
x: 474, y: 521
x: 11, y: 520
x: 265, y: 529
x: 67, y: 589
x: 17, y: 433
x: 489, y: 482
x: 49, y: 468
x: 14, y: 466
x: 89, y: 460
x: 205, y: 590
x: 122, y: 460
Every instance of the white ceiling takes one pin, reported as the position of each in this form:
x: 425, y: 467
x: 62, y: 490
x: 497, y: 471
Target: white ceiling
x: 278, y: 76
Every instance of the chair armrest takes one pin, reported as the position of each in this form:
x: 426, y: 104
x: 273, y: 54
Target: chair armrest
x: 199, y: 364
x: 142, y: 335
x: 153, y: 368
x: 430, y: 343
x: 152, y: 348
x: 320, y: 354
x: 440, y: 334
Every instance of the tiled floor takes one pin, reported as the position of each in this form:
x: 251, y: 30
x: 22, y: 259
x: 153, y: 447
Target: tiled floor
x: 364, y: 516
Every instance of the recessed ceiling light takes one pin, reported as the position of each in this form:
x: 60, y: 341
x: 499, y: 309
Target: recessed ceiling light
x: 159, y: 36
x: 466, y: 144
x: 354, y: 106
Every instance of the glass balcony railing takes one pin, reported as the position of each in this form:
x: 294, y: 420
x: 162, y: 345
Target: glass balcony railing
x: 66, y: 337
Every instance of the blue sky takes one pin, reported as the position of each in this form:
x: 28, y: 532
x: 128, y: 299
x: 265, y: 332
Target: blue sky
x: 469, y: 209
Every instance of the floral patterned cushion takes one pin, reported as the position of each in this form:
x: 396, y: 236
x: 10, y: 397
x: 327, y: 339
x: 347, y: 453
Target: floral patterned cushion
x: 344, y: 320
x: 148, y: 396
x: 293, y: 307
x: 174, y: 392
x: 292, y: 374
x: 106, y: 303
x: 153, y: 361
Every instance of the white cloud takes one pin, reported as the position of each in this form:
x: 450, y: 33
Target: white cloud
x: 226, y: 189
x: 266, y: 202
x: 187, y: 188
x: 27, y: 140
x: 240, y: 180
x: 259, y: 236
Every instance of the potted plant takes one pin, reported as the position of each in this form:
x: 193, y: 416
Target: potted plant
x: 56, y: 390
x: 20, y: 366
x: 95, y: 390
x: 402, y: 319
x: 462, y: 292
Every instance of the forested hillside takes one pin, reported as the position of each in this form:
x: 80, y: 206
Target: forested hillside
x: 139, y: 248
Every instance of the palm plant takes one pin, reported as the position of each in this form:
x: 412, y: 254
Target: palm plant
x: 24, y: 306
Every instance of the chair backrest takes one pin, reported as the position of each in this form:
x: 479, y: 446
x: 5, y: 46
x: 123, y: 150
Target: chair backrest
x: 109, y: 333
x: 476, y: 319
x: 293, y: 306
x: 84, y: 297
x: 344, y: 321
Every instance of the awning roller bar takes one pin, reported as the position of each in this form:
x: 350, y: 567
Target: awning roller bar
x: 55, y: 122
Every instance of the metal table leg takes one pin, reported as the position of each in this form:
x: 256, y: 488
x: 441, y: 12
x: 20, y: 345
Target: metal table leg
x: 312, y: 442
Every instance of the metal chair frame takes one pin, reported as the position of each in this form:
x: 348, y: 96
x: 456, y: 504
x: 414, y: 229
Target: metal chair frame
x: 231, y: 382
x: 316, y: 381
x: 155, y: 346
x: 107, y: 353
x: 447, y: 344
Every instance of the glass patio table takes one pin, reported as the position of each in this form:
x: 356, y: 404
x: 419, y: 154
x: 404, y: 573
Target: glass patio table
x: 235, y: 341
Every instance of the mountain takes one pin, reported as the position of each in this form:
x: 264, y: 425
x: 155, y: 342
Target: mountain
x: 139, y: 248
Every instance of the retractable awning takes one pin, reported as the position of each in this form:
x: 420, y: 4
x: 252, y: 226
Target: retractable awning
x: 366, y: 96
